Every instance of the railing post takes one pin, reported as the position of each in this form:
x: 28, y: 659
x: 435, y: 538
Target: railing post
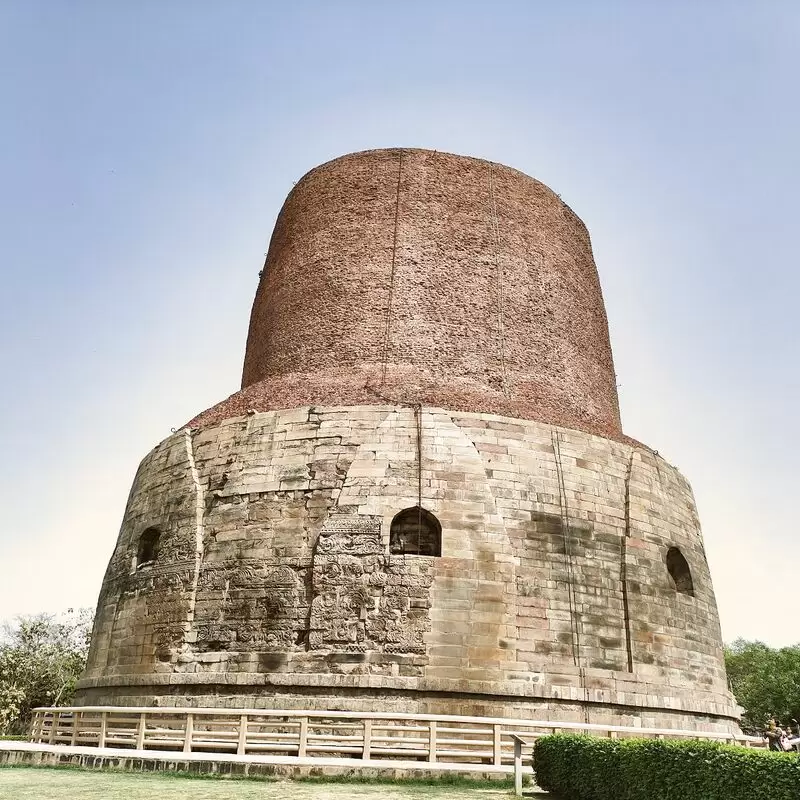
x: 301, y: 744
x: 36, y: 727
x: 187, y: 733
x: 365, y: 754
x: 76, y: 716
x: 432, y: 741
x: 101, y: 742
x: 517, y: 766
x: 240, y: 750
x: 497, y: 745
x: 140, y: 732
x: 55, y: 718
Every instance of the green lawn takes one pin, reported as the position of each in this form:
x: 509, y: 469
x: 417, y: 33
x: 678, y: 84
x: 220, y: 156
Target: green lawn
x: 26, y: 783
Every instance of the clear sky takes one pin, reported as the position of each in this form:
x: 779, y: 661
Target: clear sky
x: 146, y: 148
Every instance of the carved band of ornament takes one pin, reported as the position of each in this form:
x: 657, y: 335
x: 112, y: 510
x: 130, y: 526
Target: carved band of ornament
x: 173, y: 581
x: 339, y: 568
x: 163, y: 568
x: 160, y: 612
x: 250, y: 575
x: 355, y: 524
x: 215, y: 633
x: 351, y: 545
x: 268, y: 562
x: 251, y: 635
x: 406, y: 646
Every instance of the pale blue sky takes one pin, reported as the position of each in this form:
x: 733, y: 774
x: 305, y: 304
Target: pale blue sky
x: 146, y: 149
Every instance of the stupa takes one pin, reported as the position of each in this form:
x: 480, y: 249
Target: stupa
x: 421, y: 499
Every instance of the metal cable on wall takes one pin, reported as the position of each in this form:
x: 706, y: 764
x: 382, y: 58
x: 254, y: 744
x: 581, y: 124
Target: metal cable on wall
x: 418, y: 418
x: 624, y: 565
x: 573, y: 606
x: 565, y: 529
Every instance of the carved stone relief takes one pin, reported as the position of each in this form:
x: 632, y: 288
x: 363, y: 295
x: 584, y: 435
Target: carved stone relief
x: 363, y: 599
x: 248, y: 605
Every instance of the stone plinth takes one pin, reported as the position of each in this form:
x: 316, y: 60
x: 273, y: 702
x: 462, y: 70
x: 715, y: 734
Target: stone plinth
x: 274, y: 583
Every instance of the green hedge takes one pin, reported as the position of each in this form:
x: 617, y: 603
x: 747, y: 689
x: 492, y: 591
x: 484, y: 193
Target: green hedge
x: 590, y: 768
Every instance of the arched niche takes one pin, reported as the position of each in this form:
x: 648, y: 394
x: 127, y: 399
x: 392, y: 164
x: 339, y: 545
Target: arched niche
x: 147, y: 549
x: 679, y: 571
x: 415, y: 532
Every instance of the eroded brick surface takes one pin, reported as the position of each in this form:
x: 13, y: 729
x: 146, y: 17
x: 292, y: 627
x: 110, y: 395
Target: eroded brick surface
x: 408, y: 276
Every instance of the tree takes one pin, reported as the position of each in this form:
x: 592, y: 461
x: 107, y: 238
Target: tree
x: 765, y: 681
x: 41, y: 658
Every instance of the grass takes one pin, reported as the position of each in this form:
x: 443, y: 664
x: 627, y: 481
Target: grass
x: 448, y: 779
x: 75, y: 783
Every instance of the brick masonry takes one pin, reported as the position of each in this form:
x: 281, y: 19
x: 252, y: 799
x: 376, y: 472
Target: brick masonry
x: 435, y: 279
x: 274, y: 583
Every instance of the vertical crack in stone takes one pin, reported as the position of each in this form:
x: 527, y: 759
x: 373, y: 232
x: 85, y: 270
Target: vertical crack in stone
x: 199, y: 529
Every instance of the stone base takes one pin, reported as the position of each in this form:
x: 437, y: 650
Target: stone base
x: 275, y: 581
x: 395, y: 700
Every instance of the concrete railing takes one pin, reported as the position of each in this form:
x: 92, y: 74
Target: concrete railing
x: 430, y: 741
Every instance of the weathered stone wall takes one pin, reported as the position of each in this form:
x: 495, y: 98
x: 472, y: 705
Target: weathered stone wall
x: 274, y: 584
x: 435, y: 279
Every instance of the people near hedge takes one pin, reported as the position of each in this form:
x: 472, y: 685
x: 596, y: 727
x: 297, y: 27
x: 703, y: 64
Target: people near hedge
x: 775, y: 736
x: 782, y: 739
x: 792, y: 739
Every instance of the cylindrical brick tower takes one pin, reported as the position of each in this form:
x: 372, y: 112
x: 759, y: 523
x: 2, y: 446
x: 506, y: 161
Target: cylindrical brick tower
x: 421, y: 498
